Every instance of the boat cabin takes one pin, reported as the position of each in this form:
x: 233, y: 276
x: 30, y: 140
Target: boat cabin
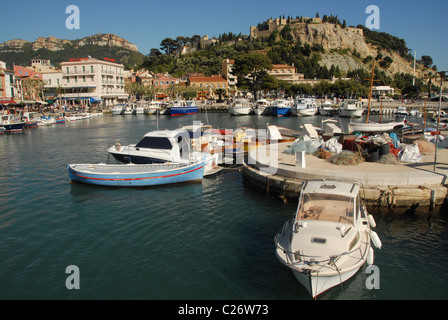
x: 329, y: 201
x: 175, y: 142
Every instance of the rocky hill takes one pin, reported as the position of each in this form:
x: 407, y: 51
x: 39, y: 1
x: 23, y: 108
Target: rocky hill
x: 20, y: 52
x: 55, y: 44
x: 345, y: 47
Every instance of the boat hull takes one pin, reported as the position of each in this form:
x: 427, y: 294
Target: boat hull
x: 14, y: 127
x: 307, y: 112
x: 350, y: 113
x: 135, y: 175
x: 240, y: 111
x: 280, y: 112
x: 316, y: 285
x: 183, y: 111
x: 326, y: 112
x: 374, y: 127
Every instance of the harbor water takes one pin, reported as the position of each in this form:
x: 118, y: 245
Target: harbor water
x: 203, y: 241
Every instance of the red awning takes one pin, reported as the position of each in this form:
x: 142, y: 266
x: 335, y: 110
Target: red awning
x: 7, y: 101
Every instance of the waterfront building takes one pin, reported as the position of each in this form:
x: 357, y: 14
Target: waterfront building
x: 207, y: 85
x: 51, y: 76
x: 164, y: 81
x: 8, y: 90
x: 26, y: 72
x: 286, y: 73
x: 226, y: 70
x: 89, y: 80
x: 378, y: 91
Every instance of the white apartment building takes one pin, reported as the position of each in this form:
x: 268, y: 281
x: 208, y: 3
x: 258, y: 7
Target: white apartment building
x: 226, y: 70
x: 89, y: 80
x: 382, y: 91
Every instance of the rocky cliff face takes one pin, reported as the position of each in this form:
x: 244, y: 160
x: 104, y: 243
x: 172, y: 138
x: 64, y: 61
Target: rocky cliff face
x: 343, y: 47
x: 331, y: 37
x: 55, y: 44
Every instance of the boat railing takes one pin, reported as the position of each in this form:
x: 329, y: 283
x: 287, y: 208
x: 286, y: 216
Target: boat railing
x: 300, y: 258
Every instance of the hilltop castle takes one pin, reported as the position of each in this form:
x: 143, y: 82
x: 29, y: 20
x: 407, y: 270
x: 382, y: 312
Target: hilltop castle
x: 268, y: 27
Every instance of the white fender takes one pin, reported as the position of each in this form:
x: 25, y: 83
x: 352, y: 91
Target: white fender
x: 371, y: 220
x: 375, y: 239
x: 370, y: 256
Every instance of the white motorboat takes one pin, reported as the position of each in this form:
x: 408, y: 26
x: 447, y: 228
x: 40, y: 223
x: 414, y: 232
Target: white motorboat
x: 310, y: 109
x: 118, y: 109
x: 300, y: 104
x: 163, y: 146
x: 351, y: 109
x: 326, y: 108
x: 128, y: 109
x: 46, y: 121
x: 139, y: 109
x: 240, y: 107
x: 401, y: 111
x: 153, y: 107
x: 415, y: 113
x: 73, y: 116
x: 260, y: 107
x: 329, y: 237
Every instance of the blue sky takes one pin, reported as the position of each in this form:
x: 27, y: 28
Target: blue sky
x: 422, y: 24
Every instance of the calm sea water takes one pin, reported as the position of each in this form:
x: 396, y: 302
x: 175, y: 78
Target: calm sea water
x: 209, y: 240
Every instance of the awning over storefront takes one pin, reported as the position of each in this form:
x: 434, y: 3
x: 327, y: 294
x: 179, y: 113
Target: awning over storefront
x: 95, y: 99
x: 7, y: 101
x: 76, y: 98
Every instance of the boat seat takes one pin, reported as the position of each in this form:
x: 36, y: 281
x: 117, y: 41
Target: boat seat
x: 327, y: 210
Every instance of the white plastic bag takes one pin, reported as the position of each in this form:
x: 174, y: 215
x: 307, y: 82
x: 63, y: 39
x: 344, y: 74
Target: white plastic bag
x: 410, y: 153
x: 332, y: 145
x: 306, y: 144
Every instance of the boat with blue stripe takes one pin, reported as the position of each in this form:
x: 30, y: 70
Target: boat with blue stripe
x: 182, y: 107
x: 136, y: 175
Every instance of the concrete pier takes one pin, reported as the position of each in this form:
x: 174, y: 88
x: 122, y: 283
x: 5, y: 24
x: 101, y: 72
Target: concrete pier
x: 400, y: 186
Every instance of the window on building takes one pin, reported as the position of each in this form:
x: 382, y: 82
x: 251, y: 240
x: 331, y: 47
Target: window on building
x: 49, y: 82
x: 67, y: 70
x: 91, y: 69
x: 57, y: 81
x: 84, y: 79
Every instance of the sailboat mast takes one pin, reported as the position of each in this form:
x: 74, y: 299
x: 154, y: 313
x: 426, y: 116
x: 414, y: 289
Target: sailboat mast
x: 370, y: 94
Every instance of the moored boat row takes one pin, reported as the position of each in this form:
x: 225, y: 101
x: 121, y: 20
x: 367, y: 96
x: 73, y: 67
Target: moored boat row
x: 173, y: 108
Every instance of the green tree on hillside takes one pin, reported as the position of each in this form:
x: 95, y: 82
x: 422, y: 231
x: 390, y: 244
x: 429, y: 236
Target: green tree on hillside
x: 250, y: 69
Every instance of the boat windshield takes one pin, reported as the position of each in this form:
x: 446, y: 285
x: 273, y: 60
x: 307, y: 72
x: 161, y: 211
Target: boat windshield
x: 155, y: 143
x: 326, y: 207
